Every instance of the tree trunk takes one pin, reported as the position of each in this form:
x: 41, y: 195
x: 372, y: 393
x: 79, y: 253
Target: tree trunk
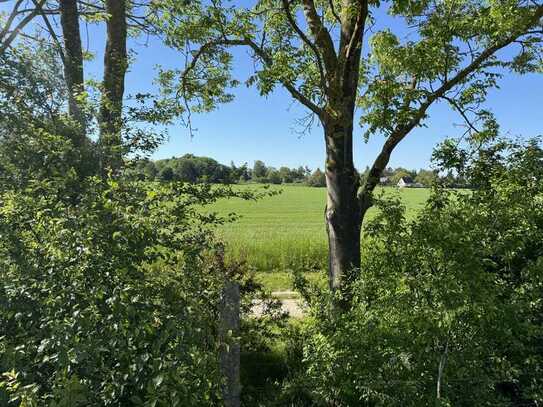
x: 343, y: 217
x: 115, y: 65
x: 73, y: 64
x: 229, y: 356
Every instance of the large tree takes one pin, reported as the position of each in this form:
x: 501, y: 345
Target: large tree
x: 334, y: 56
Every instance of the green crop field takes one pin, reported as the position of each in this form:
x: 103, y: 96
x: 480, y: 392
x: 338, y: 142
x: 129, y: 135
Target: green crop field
x: 286, y: 231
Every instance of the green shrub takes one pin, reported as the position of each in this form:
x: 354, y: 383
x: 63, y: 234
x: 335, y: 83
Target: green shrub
x: 447, y: 309
x: 109, y: 288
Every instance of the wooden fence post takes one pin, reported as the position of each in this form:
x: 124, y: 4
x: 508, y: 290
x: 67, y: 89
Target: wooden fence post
x: 229, y: 326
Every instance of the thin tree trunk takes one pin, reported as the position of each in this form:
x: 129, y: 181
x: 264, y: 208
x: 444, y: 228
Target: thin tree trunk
x: 342, y: 216
x: 441, y: 367
x: 115, y: 65
x: 73, y: 63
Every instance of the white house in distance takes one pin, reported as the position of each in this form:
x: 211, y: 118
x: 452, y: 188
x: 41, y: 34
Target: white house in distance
x: 405, y: 182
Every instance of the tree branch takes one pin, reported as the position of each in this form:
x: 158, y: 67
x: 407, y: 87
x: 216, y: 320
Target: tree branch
x: 401, y: 130
x: 333, y: 10
x: 11, y: 37
x: 39, y: 7
x: 462, y: 113
x: 10, y: 19
x: 306, y: 40
x: 320, y: 33
x: 357, y: 31
x: 266, y: 59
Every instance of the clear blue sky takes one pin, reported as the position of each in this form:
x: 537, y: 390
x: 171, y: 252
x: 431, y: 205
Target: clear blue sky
x: 254, y: 127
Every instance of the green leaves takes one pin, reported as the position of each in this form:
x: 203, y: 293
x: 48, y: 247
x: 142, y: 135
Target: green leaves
x: 101, y: 299
x: 404, y: 73
x: 454, y: 287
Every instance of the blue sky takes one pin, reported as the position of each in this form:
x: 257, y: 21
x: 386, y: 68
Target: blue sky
x: 254, y: 127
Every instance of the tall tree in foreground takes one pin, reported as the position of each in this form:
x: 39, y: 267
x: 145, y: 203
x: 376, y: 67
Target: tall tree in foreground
x: 441, y: 50
x: 115, y: 66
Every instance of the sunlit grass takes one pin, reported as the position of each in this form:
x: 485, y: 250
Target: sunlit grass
x: 287, y: 231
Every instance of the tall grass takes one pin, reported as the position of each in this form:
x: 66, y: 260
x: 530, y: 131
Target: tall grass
x: 287, y: 231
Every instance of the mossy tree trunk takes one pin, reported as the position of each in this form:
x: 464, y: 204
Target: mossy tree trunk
x: 73, y: 65
x: 115, y: 66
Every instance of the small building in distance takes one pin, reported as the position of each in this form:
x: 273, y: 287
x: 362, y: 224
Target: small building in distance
x: 384, y: 180
x: 405, y: 182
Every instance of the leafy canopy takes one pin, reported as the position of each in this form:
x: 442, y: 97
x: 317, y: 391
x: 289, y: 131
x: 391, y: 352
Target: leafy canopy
x: 413, y: 52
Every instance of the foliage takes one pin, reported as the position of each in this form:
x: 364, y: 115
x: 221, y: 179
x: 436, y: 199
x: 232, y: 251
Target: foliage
x: 109, y: 290
x: 447, y: 310
x: 425, y: 53
x: 32, y: 97
x: 193, y: 169
x: 190, y: 168
x: 31, y: 85
x: 426, y: 177
x: 285, y: 57
x: 259, y: 169
x: 110, y: 286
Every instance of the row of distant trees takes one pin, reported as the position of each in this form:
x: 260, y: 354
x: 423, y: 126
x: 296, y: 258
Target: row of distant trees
x: 193, y: 169
x: 190, y: 168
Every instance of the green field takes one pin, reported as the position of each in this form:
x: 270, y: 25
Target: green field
x: 286, y: 231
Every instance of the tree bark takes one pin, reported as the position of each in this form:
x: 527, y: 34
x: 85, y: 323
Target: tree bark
x: 229, y: 356
x: 73, y: 63
x: 342, y: 216
x: 115, y: 65
x: 343, y: 212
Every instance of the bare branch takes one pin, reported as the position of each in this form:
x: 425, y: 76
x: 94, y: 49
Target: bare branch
x: 10, y: 19
x: 50, y: 29
x: 462, y: 113
x: 13, y: 34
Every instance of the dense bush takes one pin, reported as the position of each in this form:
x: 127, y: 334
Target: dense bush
x: 103, y: 301
x: 109, y: 291
x: 447, y: 309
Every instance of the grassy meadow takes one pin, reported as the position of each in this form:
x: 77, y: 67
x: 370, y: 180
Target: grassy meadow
x: 287, y: 231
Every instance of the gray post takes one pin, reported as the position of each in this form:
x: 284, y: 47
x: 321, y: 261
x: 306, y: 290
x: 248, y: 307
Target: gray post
x: 229, y: 344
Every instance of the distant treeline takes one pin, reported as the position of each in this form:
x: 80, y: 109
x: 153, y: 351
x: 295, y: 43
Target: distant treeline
x: 190, y: 168
x: 193, y: 169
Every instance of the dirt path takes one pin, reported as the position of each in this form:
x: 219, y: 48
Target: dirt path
x: 289, y: 303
